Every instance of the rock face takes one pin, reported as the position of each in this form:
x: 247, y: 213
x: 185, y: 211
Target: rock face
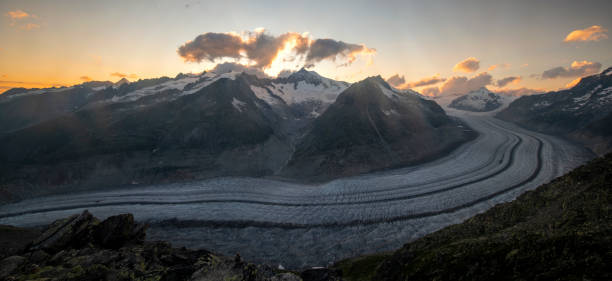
x: 369, y: 127
x: 560, y: 231
x: 82, y: 248
x: 481, y: 100
x: 582, y: 113
x: 80, y: 230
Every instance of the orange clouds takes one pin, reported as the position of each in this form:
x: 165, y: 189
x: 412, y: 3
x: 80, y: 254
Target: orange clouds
x: 123, y: 75
x: 261, y: 50
x: 593, y: 33
x: 426, y: 81
x: 577, y: 68
x: 18, y: 14
x: 495, y: 66
x: 400, y: 82
x: 460, y: 85
x: 18, y: 18
x: 468, y: 65
x: 85, y: 78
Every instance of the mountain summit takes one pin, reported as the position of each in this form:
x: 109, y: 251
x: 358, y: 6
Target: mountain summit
x: 481, y: 100
x: 370, y: 126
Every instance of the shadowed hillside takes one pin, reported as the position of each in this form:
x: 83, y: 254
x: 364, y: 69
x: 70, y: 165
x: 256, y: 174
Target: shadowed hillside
x: 560, y: 231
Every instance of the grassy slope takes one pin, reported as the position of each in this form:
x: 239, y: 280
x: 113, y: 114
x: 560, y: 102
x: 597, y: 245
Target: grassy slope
x: 561, y: 230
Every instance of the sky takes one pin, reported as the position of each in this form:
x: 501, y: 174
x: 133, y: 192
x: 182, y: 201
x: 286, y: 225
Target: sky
x: 435, y: 47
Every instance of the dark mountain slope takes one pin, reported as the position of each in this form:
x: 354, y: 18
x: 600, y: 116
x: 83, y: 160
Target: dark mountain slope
x: 119, y: 143
x: 370, y: 127
x: 573, y: 113
x: 560, y: 231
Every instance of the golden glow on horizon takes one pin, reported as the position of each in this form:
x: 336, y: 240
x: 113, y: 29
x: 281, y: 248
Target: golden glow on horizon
x: 573, y: 83
x: 43, y: 47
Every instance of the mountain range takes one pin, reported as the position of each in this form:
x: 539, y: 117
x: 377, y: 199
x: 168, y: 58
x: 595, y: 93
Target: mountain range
x: 582, y: 113
x: 303, y: 126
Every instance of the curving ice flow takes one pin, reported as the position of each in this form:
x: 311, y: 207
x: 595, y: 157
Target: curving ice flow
x: 297, y: 225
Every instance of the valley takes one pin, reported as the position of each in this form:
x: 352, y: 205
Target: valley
x: 278, y: 222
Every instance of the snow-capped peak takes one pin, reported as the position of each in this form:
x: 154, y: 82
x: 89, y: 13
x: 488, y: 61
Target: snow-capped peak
x: 479, y: 100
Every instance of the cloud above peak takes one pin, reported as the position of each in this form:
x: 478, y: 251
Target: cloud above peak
x: 576, y: 69
x: 468, y: 65
x: 261, y: 49
x: 400, y: 82
x: 593, y: 33
x: 460, y: 85
x: 508, y: 80
x: 396, y: 80
x: 123, y: 75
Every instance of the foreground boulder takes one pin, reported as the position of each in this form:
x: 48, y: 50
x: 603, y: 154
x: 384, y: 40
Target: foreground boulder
x: 81, y: 247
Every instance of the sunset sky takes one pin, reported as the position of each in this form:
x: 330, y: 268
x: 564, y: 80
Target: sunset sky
x: 432, y: 46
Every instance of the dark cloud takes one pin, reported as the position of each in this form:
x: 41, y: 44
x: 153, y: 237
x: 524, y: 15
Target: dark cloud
x: 262, y: 48
x: 396, y: 80
x: 210, y: 46
x: 576, y: 69
x: 505, y: 81
x: 322, y: 49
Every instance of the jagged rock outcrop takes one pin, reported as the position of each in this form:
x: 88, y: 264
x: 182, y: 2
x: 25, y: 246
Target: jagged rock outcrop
x: 81, y: 247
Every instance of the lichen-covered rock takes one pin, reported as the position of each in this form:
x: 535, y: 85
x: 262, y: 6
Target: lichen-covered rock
x: 82, y: 248
x: 285, y: 277
x: 10, y: 264
x: 320, y: 274
x: 72, y: 232
x: 118, y: 230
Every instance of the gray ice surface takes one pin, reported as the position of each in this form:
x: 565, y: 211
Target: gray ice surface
x: 297, y: 225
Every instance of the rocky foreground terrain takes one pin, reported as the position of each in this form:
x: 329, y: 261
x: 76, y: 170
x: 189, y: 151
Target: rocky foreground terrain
x: 560, y: 231
x: 83, y: 248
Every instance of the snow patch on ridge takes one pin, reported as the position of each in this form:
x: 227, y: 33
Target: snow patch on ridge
x: 238, y: 104
x: 387, y: 92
